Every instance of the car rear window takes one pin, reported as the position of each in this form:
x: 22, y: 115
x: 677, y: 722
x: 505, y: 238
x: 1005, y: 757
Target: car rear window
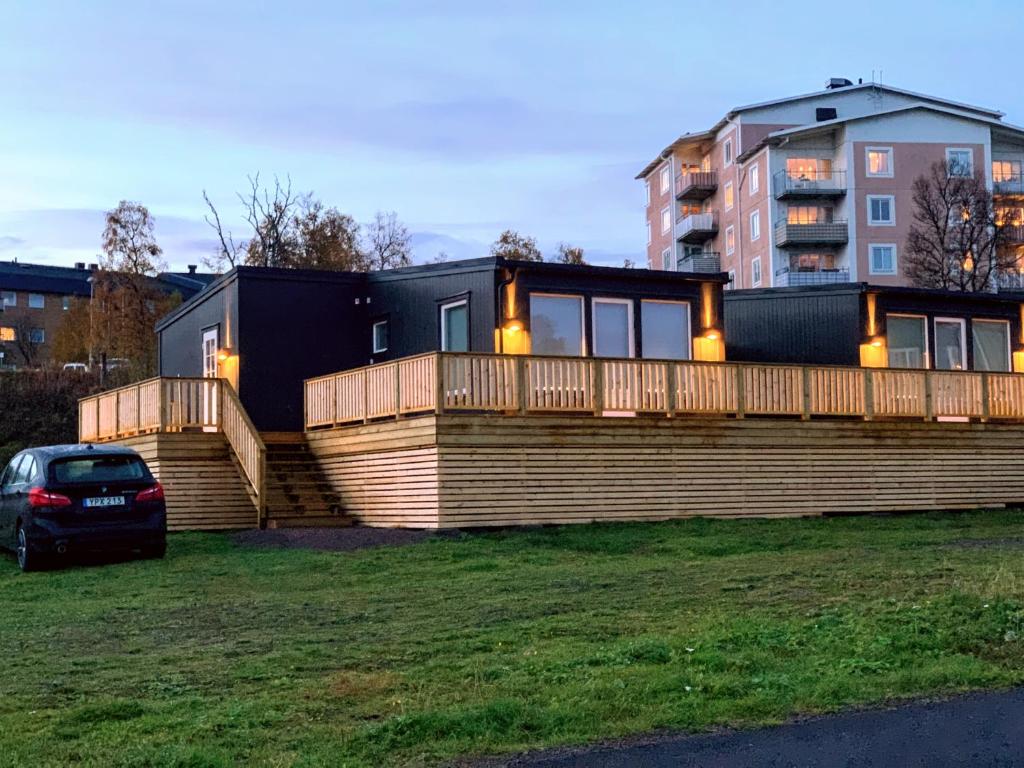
x: 99, y: 469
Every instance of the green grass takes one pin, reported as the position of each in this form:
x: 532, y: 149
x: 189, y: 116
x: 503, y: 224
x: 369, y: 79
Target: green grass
x: 223, y: 655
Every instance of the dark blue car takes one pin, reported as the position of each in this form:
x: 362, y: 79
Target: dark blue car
x: 64, y: 499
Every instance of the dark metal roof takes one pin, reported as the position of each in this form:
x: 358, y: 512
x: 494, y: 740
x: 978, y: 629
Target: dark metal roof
x: 43, y: 278
x: 846, y: 288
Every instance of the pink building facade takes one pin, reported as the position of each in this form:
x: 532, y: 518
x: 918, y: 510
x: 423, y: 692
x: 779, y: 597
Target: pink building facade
x: 816, y: 189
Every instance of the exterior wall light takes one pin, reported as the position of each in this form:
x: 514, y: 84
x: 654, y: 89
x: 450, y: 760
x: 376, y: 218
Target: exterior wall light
x: 513, y: 325
x: 712, y: 334
x: 224, y: 353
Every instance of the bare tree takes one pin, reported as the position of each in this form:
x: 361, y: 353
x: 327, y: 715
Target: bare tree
x: 270, y: 213
x: 387, y: 242
x: 958, y: 240
x: 628, y: 264
x: 26, y: 341
x: 512, y: 245
x: 570, y: 254
x: 441, y: 258
x: 230, y: 253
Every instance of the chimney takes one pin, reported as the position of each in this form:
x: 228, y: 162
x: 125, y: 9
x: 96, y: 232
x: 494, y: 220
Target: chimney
x: 93, y: 267
x: 191, y: 269
x: 80, y: 265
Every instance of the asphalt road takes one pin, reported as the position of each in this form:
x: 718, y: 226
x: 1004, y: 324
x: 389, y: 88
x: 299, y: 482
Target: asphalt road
x: 980, y: 731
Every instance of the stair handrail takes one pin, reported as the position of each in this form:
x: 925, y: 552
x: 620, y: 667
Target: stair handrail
x: 245, y: 442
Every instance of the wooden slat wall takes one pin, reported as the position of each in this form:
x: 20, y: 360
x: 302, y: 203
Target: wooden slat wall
x: 203, y: 484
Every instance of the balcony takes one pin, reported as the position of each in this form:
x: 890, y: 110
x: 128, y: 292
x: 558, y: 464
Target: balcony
x: 1013, y: 185
x: 1013, y: 233
x: 696, y: 185
x: 1010, y: 281
x: 820, y: 233
x: 708, y: 261
x: 697, y: 227
x: 809, y: 184
x: 791, y: 278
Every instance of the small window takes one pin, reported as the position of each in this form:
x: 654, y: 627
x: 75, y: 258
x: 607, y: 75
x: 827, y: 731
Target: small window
x: 729, y: 197
x: 755, y: 179
x: 991, y: 345
x: 727, y: 152
x: 882, y: 258
x: 648, y: 232
x: 666, y: 180
x: 455, y: 326
x: 65, y: 303
x: 730, y: 239
x: 960, y: 162
x: 8, y: 334
x: 665, y: 329
x: 556, y: 325
x: 380, y: 336
x: 666, y: 259
x: 8, y: 298
x: 732, y: 280
x: 755, y: 272
x: 881, y: 210
x: 36, y: 301
x: 755, y: 226
x: 666, y: 220
x: 37, y: 336
x: 647, y: 193
x: 879, y: 161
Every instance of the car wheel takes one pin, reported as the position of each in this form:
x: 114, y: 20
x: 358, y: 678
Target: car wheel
x: 27, y: 559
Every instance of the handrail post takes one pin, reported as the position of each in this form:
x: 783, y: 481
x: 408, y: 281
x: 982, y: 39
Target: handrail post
x: 117, y: 413
x: 929, y: 406
x: 741, y: 392
x: 138, y: 410
x: 219, y: 415
x: 869, y: 394
x: 805, y: 378
x: 670, y: 386
x: 334, y: 400
x: 520, y: 374
x: 985, y: 406
x: 439, y: 383
x: 597, y: 383
x: 398, y: 391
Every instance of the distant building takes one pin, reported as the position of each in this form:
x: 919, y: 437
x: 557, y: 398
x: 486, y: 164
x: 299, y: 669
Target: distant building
x: 34, y: 298
x: 816, y: 188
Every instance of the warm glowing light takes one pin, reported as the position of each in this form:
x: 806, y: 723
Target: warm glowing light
x: 514, y: 326
x: 969, y: 263
x: 876, y: 342
x: 224, y: 353
x: 712, y: 334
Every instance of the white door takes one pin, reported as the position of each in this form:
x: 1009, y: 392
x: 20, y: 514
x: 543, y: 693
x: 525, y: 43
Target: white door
x: 210, y: 347
x: 613, y: 337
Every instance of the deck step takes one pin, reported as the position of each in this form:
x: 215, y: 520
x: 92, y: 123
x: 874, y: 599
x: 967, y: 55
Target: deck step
x: 310, y: 521
x: 297, y: 492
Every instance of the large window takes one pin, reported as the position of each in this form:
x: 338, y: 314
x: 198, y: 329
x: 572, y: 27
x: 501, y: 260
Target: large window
x: 991, y: 345
x: 665, y: 329
x: 882, y: 258
x: 556, y: 325
x: 1006, y: 170
x: 959, y: 161
x: 879, y: 161
x: 7, y: 333
x: 37, y: 336
x: 455, y: 326
x: 808, y: 168
x: 907, y: 340
x: 36, y: 301
x: 809, y: 214
x: 881, y: 210
x: 613, y: 327
x: 8, y: 299
x: 950, y: 344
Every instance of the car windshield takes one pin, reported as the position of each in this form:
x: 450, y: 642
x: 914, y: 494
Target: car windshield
x: 98, y: 469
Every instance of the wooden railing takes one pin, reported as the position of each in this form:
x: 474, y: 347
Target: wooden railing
x: 176, y: 405
x: 451, y: 382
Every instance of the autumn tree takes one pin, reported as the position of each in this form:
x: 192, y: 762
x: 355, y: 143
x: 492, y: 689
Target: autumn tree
x: 387, y: 243
x: 72, y: 340
x: 957, y: 240
x: 569, y: 254
x: 512, y: 245
x: 328, y: 239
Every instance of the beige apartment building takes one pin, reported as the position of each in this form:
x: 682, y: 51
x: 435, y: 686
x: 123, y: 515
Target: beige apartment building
x: 816, y: 189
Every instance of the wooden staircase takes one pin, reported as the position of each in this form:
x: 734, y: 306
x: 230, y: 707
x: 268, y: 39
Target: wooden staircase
x: 297, y: 493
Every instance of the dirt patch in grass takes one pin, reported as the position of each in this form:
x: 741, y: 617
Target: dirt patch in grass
x: 336, y: 539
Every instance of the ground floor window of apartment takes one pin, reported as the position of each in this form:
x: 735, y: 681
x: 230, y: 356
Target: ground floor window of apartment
x: 8, y: 334
x: 809, y: 214
x: 755, y: 272
x: 950, y: 344
x: 556, y: 324
x: 455, y: 326
x: 380, y: 336
x: 812, y: 262
x: 666, y: 259
x: 613, y: 327
x: 8, y: 299
x: 882, y: 258
x: 665, y: 329
x: 907, y: 339
x: 991, y: 343
x: 37, y: 336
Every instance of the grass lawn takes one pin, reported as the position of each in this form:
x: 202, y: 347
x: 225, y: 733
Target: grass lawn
x: 225, y: 655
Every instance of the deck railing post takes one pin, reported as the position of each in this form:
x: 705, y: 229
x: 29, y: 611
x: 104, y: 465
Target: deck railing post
x: 597, y: 384
x: 138, y: 410
x: 117, y: 413
x: 805, y: 378
x: 398, y: 391
x: 521, y: 383
x: 985, y: 405
x: 670, y: 386
x: 741, y: 392
x: 439, y: 383
x: 869, y: 394
x: 929, y: 407
x: 365, y: 378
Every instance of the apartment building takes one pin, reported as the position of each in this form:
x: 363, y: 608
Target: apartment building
x: 816, y: 188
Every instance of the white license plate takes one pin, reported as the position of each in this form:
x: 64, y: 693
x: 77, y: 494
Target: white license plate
x: 104, y: 501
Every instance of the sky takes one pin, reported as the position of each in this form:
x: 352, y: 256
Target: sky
x: 465, y: 118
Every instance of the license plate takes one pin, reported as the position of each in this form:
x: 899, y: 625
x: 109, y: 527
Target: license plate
x: 104, y: 501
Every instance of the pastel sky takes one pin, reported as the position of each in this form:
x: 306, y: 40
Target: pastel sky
x: 464, y: 117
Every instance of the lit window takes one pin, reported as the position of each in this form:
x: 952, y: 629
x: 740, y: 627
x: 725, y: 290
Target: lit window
x: 881, y: 210
x: 666, y: 259
x: 730, y: 239
x: 9, y: 298
x: 729, y: 198
x: 755, y: 179
x: 991, y: 345
x: 455, y: 326
x: 755, y: 272
x: 666, y: 179
x: 1006, y: 170
x: 666, y: 220
x: 380, y: 336
x: 665, y: 329
x: 556, y: 325
x: 960, y: 162
x: 7, y: 334
x: 37, y: 336
x: 36, y: 301
x: 808, y: 168
x: 882, y: 258
x: 727, y: 152
x: 808, y: 214
x: 755, y: 225
x: 879, y: 161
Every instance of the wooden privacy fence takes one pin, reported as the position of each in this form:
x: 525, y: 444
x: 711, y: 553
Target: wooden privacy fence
x: 176, y: 405
x: 447, y: 381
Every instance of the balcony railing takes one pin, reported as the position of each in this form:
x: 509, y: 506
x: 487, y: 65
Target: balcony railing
x: 708, y: 261
x: 791, y: 278
x: 1011, y: 186
x: 810, y: 234
x: 696, y: 185
x: 1013, y: 233
x: 697, y: 227
x: 446, y: 382
x: 1010, y: 281
x: 809, y: 184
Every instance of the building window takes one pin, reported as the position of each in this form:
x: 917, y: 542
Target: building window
x: 65, y: 303
x: 729, y: 197
x: 879, y: 162
x: 809, y: 214
x: 881, y: 210
x: 647, y: 193
x: 732, y: 280
x: 727, y: 152
x: 666, y: 220
x: 455, y: 326
x: 950, y: 343
x: 613, y: 327
x: 665, y: 329
x: 648, y: 232
x: 755, y: 226
x: 380, y: 336
x: 37, y: 336
x: 991, y: 345
x: 1006, y: 170
x: 755, y: 179
x: 755, y: 272
x: 8, y: 334
x: 666, y: 180
x: 730, y: 239
x: 907, y: 341
x: 808, y: 168
x: 8, y: 298
x: 556, y: 325
x: 666, y: 259
x: 882, y: 258
x: 36, y: 301
x: 959, y: 161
